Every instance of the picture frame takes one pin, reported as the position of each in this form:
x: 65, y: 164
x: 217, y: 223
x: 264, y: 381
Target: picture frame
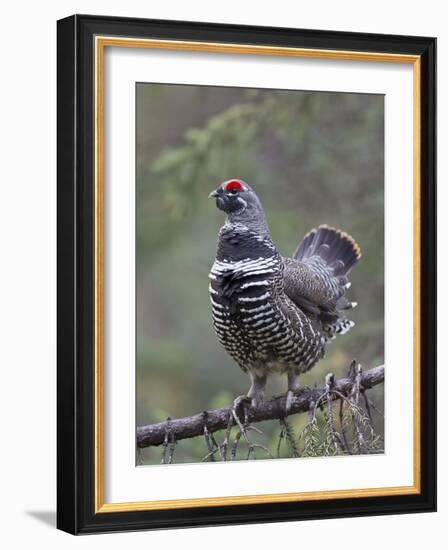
x: 82, y: 43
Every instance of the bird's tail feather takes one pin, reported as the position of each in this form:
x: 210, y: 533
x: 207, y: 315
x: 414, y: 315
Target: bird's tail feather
x: 338, y: 326
x: 338, y: 249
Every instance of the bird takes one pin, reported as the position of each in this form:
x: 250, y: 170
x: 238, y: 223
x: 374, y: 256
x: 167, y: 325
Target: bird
x: 272, y: 313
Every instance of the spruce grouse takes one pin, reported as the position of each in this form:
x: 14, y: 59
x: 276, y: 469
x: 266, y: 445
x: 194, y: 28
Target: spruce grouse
x: 272, y: 313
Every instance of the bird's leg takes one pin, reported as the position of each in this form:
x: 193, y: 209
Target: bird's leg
x: 256, y: 390
x: 293, y: 386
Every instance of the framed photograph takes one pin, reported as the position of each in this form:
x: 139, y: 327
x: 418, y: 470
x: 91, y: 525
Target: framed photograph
x: 246, y: 274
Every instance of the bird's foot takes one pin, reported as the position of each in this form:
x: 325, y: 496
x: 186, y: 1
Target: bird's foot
x: 241, y: 400
x: 240, y: 406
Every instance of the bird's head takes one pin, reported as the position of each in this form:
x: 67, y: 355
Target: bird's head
x: 241, y: 204
x: 235, y: 196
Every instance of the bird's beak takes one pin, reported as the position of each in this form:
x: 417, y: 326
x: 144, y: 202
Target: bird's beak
x: 213, y: 194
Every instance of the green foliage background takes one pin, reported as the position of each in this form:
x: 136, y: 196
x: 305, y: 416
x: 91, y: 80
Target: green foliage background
x: 312, y: 157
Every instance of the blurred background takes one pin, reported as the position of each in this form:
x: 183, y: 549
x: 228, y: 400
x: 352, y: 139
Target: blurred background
x: 313, y: 158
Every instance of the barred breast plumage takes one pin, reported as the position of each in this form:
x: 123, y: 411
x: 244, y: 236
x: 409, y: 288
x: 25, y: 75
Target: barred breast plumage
x: 254, y: 319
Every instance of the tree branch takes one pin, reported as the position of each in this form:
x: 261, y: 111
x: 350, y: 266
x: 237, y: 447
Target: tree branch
x: 221, y: 419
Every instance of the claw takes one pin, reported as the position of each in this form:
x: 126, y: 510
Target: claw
x: 240, y: 401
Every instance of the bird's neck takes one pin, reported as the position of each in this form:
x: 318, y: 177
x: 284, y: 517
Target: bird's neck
x: 239, y: 242
x: 251, y: 217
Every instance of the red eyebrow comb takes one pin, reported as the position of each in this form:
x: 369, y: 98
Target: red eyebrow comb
x: 234, y: 184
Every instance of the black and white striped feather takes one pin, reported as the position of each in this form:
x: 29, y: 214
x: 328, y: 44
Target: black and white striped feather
x: 277, y: 314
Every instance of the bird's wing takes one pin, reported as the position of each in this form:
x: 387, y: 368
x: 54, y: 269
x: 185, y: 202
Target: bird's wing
x: 310, y: 287
x: 316, y: 277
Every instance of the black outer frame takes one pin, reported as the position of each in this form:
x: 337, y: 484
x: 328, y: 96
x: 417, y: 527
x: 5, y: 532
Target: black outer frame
x: 75, y: 295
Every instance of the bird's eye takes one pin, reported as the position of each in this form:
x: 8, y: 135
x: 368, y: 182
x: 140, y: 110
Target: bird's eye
x: 233, y: 187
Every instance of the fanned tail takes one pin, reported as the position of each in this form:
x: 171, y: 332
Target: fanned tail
x: 338, y: 249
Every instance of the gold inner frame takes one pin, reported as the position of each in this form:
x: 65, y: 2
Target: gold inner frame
x: 101, y: 42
